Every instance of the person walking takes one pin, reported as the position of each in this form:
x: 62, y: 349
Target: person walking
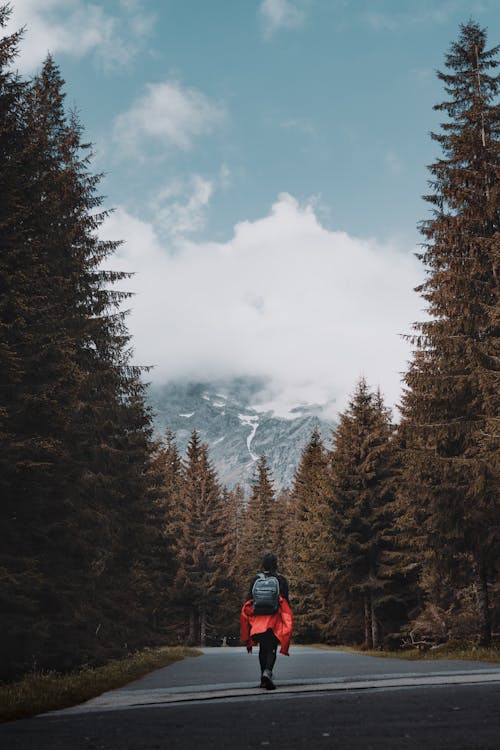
x: 266, y: 618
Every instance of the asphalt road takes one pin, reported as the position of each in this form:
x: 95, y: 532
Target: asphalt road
x: 324, y: 699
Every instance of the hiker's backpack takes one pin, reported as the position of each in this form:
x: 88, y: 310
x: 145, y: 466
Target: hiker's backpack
x: 265, y: 595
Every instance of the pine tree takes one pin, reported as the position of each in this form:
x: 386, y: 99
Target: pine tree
x: 309, y: 540
x: 169, y: 468
x: 76, y: 436
x: 21, y: 581
x: 258, y: 530
x: 40, y: 378
x: 230, y: 585
x: 107, y: 431
x: 363, y: 504
x: 281, y: 527
x: 234, y: 500
x: 12, y: 146
x: 451, y: 403
x: 199, y: 546
x: 156, y: 569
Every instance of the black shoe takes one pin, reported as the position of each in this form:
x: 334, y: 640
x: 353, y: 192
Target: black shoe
x: 262, y: 682
x: 267, y: 680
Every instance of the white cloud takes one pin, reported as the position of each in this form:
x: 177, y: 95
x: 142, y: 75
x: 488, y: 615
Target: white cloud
x: 286, y: 299
x: 77, y: 28
x: 168, y: 113
x: 279, y: 14
x: 180, y: 207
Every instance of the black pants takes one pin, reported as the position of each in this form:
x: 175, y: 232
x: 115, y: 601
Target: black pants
x: 268, y: 644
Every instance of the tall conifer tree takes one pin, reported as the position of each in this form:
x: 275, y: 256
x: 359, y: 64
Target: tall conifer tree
x: 199, y: 543
x: 258, y: 529
x: 281, y: 527
x: 21, y: 580
x: 309, y: 551
x: 157, y: 566
x: 106, y: 431
x: 365, y: 572
x: 75, y: 431
x: 230, y: 584
x: 451, y: 403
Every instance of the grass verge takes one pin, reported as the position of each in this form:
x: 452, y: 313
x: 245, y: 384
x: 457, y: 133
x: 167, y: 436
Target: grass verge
x: 452, y: 651
x: 39, y: 692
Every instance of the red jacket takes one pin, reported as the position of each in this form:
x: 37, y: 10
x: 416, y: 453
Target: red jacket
x: 280, y: 623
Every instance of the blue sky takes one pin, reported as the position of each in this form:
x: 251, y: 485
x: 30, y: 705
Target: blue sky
x: 266, y: 159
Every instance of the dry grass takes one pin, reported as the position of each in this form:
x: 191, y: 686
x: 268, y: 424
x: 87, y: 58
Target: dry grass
x: 40, y: 692
x: 466, y: 652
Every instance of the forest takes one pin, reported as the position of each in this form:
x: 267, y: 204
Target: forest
x: 111, y: 541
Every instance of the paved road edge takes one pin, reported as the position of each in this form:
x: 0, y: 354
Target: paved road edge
x: 120, y: 701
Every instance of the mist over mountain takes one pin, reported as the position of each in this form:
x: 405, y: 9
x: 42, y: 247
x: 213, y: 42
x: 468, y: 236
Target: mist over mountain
x: 227, y: 415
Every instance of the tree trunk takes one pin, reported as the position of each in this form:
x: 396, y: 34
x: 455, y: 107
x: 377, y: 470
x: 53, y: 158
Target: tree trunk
x: 203, y: 626
x: 375, y: 625
x: 192, y: 637
x: 484, y: 605
x: 368, y: 623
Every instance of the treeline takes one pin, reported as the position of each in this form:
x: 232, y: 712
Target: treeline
x: 397, y: 531
x: 79, y: 512
x: 111, y: 540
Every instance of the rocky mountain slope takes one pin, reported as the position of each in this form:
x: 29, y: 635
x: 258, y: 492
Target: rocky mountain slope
x: 235, y: 432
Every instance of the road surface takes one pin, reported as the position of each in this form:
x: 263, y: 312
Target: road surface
x: 324, y: 699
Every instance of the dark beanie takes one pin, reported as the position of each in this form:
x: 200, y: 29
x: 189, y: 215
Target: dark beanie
x: 270, y: 561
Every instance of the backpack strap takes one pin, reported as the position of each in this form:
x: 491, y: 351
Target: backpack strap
x: 259, y: 576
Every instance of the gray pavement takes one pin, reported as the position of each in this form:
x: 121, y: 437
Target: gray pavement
x: 324, y: 699
x: 231, y: 673
x: 220, y: 666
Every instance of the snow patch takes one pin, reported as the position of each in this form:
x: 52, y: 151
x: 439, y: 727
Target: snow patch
x: 188, y: 416
x: 219, y: 404
x: 252, y: 421
x: 219, y: 440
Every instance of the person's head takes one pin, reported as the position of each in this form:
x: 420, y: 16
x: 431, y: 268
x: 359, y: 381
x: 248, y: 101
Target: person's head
x: 270, y: 562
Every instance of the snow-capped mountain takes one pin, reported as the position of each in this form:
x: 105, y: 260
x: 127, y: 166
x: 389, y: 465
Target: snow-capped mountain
x: 236, y: 432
